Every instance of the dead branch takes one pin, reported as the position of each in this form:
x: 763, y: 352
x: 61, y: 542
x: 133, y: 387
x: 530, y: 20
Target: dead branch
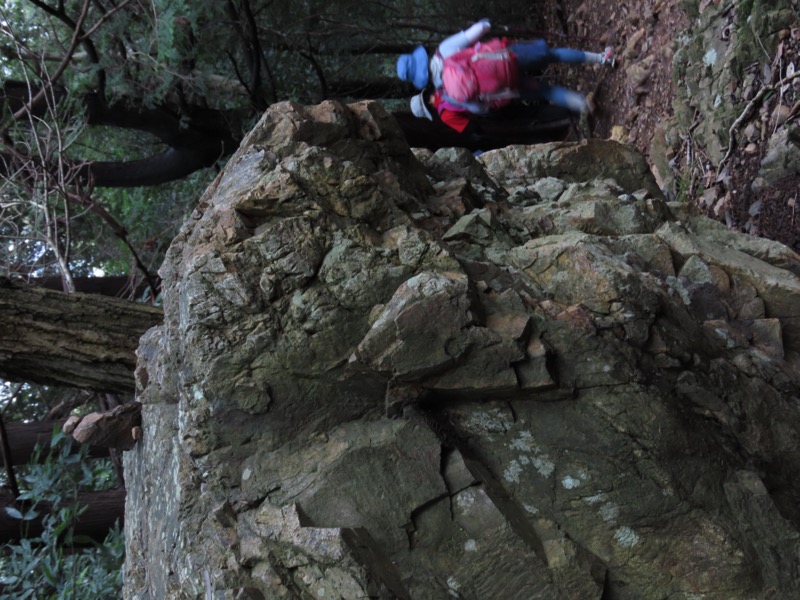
x: 747, y: 112
x: 76, y: 40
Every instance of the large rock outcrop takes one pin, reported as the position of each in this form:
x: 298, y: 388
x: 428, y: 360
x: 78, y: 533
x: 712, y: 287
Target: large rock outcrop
x: 386, y: 374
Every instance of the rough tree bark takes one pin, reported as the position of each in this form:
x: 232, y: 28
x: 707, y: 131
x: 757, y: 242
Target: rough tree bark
x: 79, y: 340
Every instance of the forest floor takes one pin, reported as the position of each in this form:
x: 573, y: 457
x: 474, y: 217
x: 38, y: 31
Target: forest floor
x: 633, y: 103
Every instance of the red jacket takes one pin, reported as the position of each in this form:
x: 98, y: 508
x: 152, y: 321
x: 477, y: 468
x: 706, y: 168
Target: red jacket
x: 457, y: 118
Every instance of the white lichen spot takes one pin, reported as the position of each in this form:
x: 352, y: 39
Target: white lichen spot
x: 570, y: 483
x: 627, y: 537
x: 470, y: 546
x: 496, y: 422
x: 530, y: 508
x: 524, y: 459
x: 246, y: 474
x: 609, y: 512
x: 594, y: 499
x: 198, y: 394
x: 321, y: 592
x: 511, y: 474
x: 524, y: 442
x: 452, y: 586
x: 606, y: 368
x: 730, y: 343
x: 544, y: 466
x: 465, y: 499
x: 710, y: 57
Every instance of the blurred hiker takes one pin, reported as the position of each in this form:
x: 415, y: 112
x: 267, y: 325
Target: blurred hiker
x: 414, y: 67
x: 471, y: 76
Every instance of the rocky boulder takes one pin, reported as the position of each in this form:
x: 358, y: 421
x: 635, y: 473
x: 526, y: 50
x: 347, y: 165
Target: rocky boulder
x: 396, y: 374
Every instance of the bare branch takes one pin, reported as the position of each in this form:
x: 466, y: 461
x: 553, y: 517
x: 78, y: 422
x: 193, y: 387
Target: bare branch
x: 120, y: 231
x: 745, y: 114
x: 76, y: 39
x: 85, y: 36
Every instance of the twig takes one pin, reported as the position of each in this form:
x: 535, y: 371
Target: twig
x: 76, y: 39
x: 119, y: 230
x: 7, y: 459
x: 103, y: 19
x: 746, y: 114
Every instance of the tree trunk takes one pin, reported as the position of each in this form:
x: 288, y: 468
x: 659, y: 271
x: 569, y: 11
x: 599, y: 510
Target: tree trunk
x: 195, y: 137
x: 170, y: 165
x: 104, y: 509
x: 78, y: 340
x: 23, y: 437
x: 16, y: 95
x: 119, y: 286
x: 385, y: 87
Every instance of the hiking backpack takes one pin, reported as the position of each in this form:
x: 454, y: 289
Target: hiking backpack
x: 483, y: 76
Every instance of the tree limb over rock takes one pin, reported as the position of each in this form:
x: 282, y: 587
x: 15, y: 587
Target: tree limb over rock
x: 78, y: 340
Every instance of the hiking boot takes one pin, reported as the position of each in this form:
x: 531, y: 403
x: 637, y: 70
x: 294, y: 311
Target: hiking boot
x: 608, y: 57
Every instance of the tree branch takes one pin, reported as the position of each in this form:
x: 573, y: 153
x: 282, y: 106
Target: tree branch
x: 745, y: 114
x: 323, y: 84
x: 106, y: 16
x: 119, y: 231
x: 76, y: 39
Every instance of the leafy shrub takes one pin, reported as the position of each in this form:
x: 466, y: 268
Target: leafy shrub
x: 57, y: 564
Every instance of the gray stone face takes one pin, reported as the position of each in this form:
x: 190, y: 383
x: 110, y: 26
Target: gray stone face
x: 386, y: 374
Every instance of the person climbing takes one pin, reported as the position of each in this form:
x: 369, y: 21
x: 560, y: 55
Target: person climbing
x: 470, y: 76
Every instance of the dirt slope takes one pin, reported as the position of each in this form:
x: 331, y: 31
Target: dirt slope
x: 635, y: 101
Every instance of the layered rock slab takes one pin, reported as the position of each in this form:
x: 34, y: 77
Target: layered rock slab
x: 397, y: 374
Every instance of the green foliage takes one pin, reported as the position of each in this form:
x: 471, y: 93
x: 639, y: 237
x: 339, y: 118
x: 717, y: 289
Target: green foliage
x: 688, y: 186
x: 152, y: 217
x: 51, y: 566
x: 26, y: 402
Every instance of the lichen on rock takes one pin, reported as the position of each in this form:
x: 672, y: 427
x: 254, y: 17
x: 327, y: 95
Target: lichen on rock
x: 396, y: 374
